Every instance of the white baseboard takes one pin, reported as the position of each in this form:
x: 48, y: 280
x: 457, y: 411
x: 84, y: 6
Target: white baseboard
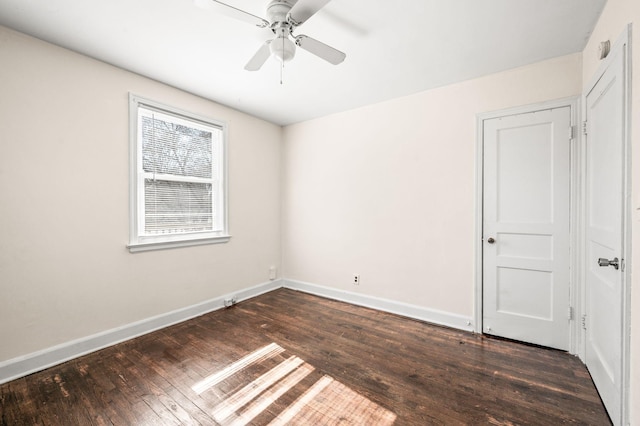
x: 37, y: 361
x: 27, y: 364
x: 433, y: 316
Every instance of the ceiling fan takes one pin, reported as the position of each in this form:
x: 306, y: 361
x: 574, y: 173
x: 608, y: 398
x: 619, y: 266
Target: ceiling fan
x: 283, y: 18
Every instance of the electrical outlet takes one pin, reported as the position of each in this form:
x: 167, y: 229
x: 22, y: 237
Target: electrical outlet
x: 273, y: 273
x: 356, y: 279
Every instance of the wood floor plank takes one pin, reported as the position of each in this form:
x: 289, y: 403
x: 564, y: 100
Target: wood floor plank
x: 15, y: 404
x: 365, y: 363
x: 168, y: 388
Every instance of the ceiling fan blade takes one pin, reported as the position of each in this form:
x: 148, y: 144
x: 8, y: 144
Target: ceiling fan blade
x: 259, y: 58
x: 305, y: 9
x: 320, y: 49
x: 232, y: 12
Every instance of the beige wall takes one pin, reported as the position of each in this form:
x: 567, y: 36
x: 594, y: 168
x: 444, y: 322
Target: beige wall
x: 615, y: 16
x: 65, y: 272
x: 387, y: 191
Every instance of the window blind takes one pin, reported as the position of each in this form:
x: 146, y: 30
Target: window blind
x: 178, y: 177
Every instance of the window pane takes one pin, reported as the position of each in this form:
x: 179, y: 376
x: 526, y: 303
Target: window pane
x: 177, y: 207
x: 178, y: 177
x: 171, y: 148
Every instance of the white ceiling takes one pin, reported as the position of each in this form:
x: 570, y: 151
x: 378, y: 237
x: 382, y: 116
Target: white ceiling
x: 394, y: 48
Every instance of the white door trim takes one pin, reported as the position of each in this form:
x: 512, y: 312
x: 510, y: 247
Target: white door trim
x: 575, y: 189
x: 622, y: 44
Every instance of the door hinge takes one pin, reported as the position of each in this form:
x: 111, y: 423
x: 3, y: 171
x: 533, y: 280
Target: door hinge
x: 571, y: 132
x: 584, y: 127
x: 584, y: 322
x: 570, y: 313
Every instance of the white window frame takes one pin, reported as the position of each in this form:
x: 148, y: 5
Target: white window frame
x: 137, y: 240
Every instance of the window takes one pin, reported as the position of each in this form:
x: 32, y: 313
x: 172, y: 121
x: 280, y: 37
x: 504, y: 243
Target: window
x: 178, y: 178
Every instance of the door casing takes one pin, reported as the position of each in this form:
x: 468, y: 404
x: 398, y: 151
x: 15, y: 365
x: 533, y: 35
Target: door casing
x: 573, y: 103
x: 526, y: 293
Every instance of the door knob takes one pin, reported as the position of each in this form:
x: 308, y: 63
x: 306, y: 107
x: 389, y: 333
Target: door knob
x: 491, y: 240
x: 606, y: 262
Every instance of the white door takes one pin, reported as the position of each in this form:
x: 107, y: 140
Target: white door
x: 526, y: 227
x: 604, y: 219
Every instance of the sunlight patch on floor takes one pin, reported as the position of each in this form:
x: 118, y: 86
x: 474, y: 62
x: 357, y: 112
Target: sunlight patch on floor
x: 326, y: 401
x: 255, y: 388
x: 330, y: 402
x: 267, y: 398
x: 254, y: 357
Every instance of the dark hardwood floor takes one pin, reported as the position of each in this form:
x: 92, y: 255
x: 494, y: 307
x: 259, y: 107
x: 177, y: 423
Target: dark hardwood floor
x: 291, y: 358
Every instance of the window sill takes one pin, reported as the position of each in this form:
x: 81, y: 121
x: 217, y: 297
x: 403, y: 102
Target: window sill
x: 163, y: 245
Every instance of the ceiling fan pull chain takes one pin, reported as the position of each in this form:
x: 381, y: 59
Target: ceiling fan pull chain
x: 282, y: 63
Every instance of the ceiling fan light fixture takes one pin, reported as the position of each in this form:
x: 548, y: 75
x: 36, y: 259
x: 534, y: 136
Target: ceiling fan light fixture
x: 282, y: 48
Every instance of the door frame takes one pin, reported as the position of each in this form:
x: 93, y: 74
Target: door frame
x: 575, y: 190
x: 622, y: 46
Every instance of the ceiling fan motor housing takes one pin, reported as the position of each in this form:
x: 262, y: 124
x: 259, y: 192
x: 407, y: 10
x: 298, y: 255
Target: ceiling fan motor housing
x: 277, y: 11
